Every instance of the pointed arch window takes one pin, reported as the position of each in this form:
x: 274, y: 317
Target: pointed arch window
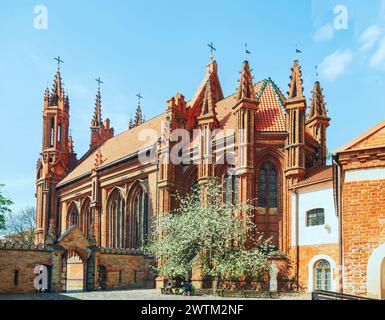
x: 116, y: 210
x: 140, y: 219
x: 52, y: 132
x: 59, y: 133
x: 90, y: 221
x: 73, y: 217
x: 231, y: 188
x: 267, y: 186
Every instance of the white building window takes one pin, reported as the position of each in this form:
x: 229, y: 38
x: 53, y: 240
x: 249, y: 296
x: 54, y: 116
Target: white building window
x: 315, y: 217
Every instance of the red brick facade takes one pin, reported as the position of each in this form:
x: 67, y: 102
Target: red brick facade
x: 108, y: 187
x: 362, y: 211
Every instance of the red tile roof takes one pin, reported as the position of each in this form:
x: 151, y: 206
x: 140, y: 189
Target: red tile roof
x: 116, y: 148
x: 270, y: 116
x: 316, y: 175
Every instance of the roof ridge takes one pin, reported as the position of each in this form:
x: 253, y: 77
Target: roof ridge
x: 262, y: 88
x: 278, y: 93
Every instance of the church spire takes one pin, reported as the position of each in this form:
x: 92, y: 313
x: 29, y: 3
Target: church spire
x: 57, y: 92
x: 296, y: 114
x: 246, y: 86
x: 318, y: 122
x: 130, y: 124
x: 296, y: 82
x: 208, y: 106
x: 138, y: 116
x: 100, y: 131
x: 97, y: 118
x: 317, y: 103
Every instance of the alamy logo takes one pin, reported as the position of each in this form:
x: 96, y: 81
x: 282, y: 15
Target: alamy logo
x: 40, y: 22
x: 41, y: 280
x: 342, y: 17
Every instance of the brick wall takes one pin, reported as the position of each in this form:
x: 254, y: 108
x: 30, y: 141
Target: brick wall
x: 363, y: 229
x: 306, y: 254
x: 24, y: 261
x: 126, y: 271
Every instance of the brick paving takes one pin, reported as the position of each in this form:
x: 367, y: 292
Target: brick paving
x: 144, y: 294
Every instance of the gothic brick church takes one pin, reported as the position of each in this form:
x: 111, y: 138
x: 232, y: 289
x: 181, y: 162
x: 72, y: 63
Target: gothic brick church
x: 112, y: 197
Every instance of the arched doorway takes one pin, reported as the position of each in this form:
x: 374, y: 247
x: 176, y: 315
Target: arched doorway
x: 375, y: 273
x: 73, y: 272
x: 322, y: 275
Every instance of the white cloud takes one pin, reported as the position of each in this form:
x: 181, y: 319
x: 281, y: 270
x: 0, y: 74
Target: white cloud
x: 378, y: 58
x: 336, y: 64
x: 324, y: 33
x: 369, y: 38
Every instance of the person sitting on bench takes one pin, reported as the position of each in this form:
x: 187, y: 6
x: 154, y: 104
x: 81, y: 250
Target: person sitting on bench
x: 187, y: 287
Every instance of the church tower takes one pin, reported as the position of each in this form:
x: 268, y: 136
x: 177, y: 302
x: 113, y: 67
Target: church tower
x: 100, y: 132
x: 207, y: 122
x: 318, y: 122
x: 57, y: 159
x: 296, y: 116
x: 245, y: 110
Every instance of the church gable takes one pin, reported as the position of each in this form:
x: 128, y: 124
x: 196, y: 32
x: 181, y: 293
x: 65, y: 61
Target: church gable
x: 196, y: 104
x: 270, y: 116
x: 375, y: 140
x: 73, y: 238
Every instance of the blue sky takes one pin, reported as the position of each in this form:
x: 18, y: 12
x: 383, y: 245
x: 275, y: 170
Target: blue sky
x: 159, y: 48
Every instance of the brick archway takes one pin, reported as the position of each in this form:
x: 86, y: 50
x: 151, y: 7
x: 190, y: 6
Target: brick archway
x: 74, y: 269
x: 311, y: 266
x: 375, y: 273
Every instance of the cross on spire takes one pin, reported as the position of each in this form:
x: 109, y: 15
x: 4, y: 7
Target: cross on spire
x: 99, y: 82
x: 246, y: 51
x: 139, y: 98
x: 59, y: 61
x: 212, y: 49
x: 316, y: 71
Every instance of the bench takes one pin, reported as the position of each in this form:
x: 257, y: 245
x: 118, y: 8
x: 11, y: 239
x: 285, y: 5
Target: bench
x: 174, y: 291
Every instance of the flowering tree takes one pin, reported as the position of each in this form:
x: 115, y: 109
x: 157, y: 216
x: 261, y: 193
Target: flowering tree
x: 210, y: 234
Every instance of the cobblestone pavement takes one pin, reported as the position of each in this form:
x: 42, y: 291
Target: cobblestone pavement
x: 145, y: 294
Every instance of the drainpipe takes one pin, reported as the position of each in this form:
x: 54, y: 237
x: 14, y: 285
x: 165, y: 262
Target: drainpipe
x: 338, y: 186
x: 296, y: 238
x: 156, y: 184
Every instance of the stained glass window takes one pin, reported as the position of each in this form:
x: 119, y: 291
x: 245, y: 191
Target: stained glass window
x: 231, y: 188
x: 74, y: 217
x: 141, y: 219
x: 267, y: 186
x: 116, y: 221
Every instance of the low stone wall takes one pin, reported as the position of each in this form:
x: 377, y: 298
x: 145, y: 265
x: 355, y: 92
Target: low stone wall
x: 125, y: 269
x: 17, y: 265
